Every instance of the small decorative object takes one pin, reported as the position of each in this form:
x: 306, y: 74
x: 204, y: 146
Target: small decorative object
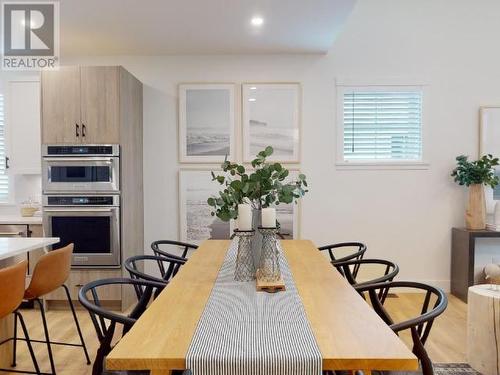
x: 206, y: 122
x: 245, y: 269
x: 269, y: 263
x: 269, y: 217
x: 29, y: 207
x: 492, y: 273
x: 497, y: 214
x: 267, y: 185
x: 244, y: 217
x: 264, y: 125
x: 475, y: 174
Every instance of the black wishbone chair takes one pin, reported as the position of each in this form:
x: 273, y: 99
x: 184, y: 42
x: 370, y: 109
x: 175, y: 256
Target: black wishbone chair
x: 105, y: 321
x: 357, y: 254
x: 389, y: 272
x: 168, y: 268
x: 159, y: 248
x: 420, y: 326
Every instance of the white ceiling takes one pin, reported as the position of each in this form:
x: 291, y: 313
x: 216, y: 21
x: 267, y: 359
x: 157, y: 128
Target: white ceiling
x: 161, y: 27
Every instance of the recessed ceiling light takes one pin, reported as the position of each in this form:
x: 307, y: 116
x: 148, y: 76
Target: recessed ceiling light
x: 253, y: 88
x: 257, y: 21
x: 252, y: 100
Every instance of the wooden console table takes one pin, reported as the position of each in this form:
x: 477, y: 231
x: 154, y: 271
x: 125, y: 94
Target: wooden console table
x: 463, y: 250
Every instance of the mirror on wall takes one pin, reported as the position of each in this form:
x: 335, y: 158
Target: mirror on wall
x: 489, y: 143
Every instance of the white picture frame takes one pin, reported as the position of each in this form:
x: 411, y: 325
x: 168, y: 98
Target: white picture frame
x: 271, y: 116
x: 206, y: 122
x: 489, y: 143
x: 195, y: 221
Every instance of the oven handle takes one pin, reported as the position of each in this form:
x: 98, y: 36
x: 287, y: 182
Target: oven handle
x: 86, y: 159
x: 77, y: 209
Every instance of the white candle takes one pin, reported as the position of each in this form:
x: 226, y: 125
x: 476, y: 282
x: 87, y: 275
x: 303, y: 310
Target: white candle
x: 244, y: 217
x: 268, y: 217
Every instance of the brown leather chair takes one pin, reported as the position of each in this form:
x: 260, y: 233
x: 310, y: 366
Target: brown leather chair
x: 12, y: 281
x: 50, y: 273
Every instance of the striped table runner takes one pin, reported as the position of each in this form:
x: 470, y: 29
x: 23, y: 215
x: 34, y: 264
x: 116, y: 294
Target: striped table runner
x: 244, y: 332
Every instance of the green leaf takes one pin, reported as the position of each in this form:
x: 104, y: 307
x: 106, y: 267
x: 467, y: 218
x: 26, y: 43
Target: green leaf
x: 268, y: 151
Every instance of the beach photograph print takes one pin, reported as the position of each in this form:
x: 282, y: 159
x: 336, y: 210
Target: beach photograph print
x: 271, y: 117
x: 196, y: 222
x: 206, y: 122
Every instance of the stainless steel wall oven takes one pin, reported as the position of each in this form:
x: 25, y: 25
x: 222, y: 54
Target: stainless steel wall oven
x: 91, y: 222
x: 81, y: 201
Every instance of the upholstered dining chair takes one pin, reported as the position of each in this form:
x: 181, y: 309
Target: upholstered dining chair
x: 355, y: 250
x: 434, y: 304
x: 160, y: 248
x: 105, y: 322
x: 12, y: 282
x: 384, y: 270
x: 50, y: 273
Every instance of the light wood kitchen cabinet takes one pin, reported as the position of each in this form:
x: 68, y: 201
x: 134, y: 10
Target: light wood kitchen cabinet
x: 100, y: 104
x: 79, y: 277
x: 61, y: 105
x: 81, y: 105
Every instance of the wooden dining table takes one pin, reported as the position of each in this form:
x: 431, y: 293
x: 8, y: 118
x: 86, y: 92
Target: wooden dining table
x: 349, y: 334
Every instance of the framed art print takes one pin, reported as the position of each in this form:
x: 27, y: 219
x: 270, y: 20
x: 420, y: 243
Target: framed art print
x: 206, y: 123
x: 196, y: 223
x: 489, y: 143
x: 271, y: 117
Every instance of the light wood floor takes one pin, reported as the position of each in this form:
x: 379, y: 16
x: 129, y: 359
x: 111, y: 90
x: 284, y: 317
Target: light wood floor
x: 447, y: 342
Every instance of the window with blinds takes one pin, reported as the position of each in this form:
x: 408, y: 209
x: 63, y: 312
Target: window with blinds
x: 382, y: 125
x: 4, y: 178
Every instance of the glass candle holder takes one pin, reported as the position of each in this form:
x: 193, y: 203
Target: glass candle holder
x: 269, y: 263
x: 245, y: 268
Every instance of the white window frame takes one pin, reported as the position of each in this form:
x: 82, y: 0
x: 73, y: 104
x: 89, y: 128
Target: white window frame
x: 7, y: 145
x: 388, y: 84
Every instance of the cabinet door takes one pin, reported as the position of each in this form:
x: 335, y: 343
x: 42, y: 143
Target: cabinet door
x: 61, y: 105
x: 100, y: 104
x: 23, y: 127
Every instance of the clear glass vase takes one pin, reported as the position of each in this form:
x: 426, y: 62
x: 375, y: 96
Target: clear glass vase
x: 269, y: 263
x: 245, y: 267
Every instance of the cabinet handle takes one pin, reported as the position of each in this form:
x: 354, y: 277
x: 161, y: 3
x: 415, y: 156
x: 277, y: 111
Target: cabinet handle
x: 7, y: 159
x: 77, y: 127
x: 83, y: 130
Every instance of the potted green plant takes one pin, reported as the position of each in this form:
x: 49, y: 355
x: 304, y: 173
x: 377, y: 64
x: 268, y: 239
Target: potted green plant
x: 474, y: 175
x: 264, y: 186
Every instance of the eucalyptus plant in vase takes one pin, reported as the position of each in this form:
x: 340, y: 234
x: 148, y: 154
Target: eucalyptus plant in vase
x: 267, y: 184
x: 475, y: 175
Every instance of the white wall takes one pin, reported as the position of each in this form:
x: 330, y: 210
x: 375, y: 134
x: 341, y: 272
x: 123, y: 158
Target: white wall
x: 403, y: 215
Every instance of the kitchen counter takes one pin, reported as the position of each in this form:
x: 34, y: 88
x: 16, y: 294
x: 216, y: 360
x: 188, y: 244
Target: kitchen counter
x: 11, y: 247
x: 18, y: 219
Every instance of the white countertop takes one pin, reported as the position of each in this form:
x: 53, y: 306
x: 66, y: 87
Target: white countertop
x: 10, y: 247
x: 18, y: 219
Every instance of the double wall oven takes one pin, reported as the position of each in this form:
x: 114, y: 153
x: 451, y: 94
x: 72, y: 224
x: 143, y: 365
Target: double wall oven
x: 81, y: 201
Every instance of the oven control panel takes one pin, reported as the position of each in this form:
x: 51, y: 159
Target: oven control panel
x: 87, y: 200
x: 81, y: 150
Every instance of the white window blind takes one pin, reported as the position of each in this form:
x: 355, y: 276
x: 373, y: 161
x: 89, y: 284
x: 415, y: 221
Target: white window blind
x: 4, y: 178
x: 382, y: 125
